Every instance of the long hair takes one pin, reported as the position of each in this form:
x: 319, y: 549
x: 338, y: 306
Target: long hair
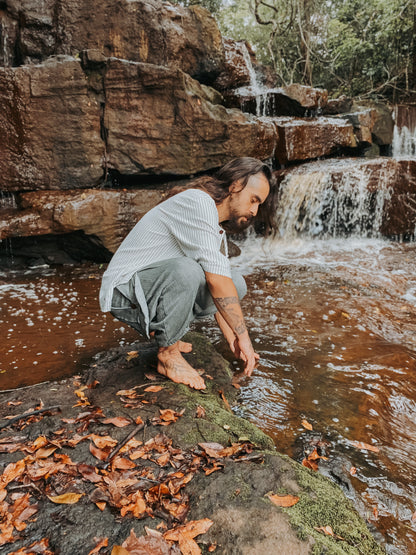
x: 218, y: 184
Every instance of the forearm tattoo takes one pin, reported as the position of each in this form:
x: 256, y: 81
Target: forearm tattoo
x: 225, y: 303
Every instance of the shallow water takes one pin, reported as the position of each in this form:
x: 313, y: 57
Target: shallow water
x: 335, y: 325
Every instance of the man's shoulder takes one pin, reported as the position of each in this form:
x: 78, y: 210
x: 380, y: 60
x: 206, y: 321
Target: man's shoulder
x: 193, y: 199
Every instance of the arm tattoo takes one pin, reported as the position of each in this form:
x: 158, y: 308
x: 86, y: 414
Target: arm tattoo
x: 241, y: 328
x: 225, y: 301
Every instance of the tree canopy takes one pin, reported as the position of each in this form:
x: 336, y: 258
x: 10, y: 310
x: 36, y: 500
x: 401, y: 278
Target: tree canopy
x: 353, y: 47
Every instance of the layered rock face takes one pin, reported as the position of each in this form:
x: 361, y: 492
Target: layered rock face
x: 147, y: 31
x: 113, y: 94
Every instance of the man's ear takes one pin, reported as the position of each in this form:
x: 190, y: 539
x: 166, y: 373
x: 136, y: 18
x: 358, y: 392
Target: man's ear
x: 236, y: 186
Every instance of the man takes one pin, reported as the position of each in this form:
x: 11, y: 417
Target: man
x: 173, y: 267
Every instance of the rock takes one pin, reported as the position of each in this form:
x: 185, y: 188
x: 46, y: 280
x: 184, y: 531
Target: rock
x: 308, y: 97
x: 384, y: 125
x: 363, y: 123
x: 159, y: 120
x: 273, y: 102
x: 233, y: 496
x: 235, y: 72
x: 50, y: 126
x: 106, y: 214
x: 340, y: 105
x: 303, y: 139
x: 405, y: 116
x: 140, y: 30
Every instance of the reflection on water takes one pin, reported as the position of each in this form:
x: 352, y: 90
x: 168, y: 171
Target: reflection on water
x: 335, y: 325
x: 51, y: 324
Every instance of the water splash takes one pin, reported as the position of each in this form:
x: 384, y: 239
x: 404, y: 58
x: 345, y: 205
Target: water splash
x: 404, y: 133
x: 256, y: 89
x: 325, y: 204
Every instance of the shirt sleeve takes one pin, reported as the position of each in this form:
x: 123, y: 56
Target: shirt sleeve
x: 192, y: 218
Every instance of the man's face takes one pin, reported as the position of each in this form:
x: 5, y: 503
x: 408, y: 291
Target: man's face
x: 244, y: 203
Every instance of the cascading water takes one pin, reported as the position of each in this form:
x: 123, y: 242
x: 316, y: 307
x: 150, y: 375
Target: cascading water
x: 327, y: 202
x: 404, y: 134
x: 256, y: 89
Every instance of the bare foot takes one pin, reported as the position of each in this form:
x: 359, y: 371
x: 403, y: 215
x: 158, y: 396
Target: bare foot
x: 172, y: 365
x: 185, y: 347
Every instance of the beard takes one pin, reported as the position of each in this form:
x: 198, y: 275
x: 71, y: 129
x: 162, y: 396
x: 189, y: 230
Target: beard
x: 237, y: 224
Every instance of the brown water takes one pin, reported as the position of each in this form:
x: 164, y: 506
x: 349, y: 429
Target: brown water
x: 335, y: 325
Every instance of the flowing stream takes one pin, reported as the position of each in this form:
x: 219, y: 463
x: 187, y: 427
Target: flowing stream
x: 331, y: 310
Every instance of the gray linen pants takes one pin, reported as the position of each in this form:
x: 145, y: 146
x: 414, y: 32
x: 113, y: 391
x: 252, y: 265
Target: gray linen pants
x: 176, y: 293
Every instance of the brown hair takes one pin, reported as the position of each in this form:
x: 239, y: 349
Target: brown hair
x: 218, y: 184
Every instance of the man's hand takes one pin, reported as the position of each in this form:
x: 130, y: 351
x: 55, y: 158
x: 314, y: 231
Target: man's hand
x: 231, y: 321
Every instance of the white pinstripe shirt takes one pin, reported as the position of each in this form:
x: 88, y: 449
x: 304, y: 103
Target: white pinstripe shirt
x: 183, y: 225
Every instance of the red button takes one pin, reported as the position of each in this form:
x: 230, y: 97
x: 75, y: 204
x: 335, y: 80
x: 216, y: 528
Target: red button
x: 221, y: 231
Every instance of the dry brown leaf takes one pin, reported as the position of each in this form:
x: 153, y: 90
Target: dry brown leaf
x: 121, y: 463
x: 188, y: 546
x: 118, y: 550
x: 353, y: 471
x: 131, y: 355
x: 127, y: 392
x: 154, y: 388
x: 307, y: 425
x: 366, y: 446
x: 103, y: 442
x: 310, y: 464
x: 101, y: 543
x: 101, y: 505
x: 200, y: 412
x: 118, y: 421
x: 327, y: 530
x: 152, y: 377
x: 191, y: 529
x: 66, y: 498
x: 212, y: 449
x: 100, y: 454
x: 223, y: 397
x: 283, y: 500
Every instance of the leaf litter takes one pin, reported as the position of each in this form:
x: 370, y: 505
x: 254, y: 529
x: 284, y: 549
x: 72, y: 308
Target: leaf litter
x: 136, y: 479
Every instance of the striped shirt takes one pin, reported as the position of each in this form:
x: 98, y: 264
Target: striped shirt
x: 183, y: 225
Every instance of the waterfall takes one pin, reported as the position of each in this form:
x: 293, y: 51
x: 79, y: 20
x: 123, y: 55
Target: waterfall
x: 256, y: 88
x: 328, y: 202
x: 404, y: 134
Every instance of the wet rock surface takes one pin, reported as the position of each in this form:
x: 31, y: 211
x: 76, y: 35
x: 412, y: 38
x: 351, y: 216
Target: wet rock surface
x: 232, y: 496
x: 144, y: 31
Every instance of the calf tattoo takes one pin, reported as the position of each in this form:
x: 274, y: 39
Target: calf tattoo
x: 234, y: 319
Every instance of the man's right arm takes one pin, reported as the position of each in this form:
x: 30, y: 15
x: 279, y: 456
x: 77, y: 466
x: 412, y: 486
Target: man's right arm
x: 225, y: 297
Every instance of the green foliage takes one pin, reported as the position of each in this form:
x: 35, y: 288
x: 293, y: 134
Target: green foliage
x: 352, y: 47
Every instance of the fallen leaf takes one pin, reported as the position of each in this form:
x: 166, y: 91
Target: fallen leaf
x: 66, y: 498
x: 223, y: 397
x: 200, y: 412
x: 154, y: 388
x: 101, y: 505
x: 100, y: 544
x: 118, y: 550
x: 366, y: 446
x: 327, y: 530
x: 127, y: 392
x: 353, y: 471
x: 131, y: 355
x: 99, y: 454
x: 152, y: 377
x: 283, y: 500
x: 307, y: 425
x: 191, y: 529
x: 117, y: 421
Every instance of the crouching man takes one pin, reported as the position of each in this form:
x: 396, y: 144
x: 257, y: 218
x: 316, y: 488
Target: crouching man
x: 173, y: 267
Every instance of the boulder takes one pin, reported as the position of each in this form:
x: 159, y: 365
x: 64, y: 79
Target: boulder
x: 50, y: 126
x: 363, y: 123
x: 309, y: 97
x: 304, y: 139
x: 383, y: 125
x: 106, y: 214
x: 159, y: 121
x: 235, y: 72
x: 141, y: 30
x: 340, y: 105
x: 271, y: 102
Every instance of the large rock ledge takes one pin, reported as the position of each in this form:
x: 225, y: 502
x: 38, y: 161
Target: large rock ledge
x: 234, y: 498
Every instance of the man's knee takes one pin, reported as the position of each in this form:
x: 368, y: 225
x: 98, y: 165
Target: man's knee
x: 240, y: 284
x: 188, y: 272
